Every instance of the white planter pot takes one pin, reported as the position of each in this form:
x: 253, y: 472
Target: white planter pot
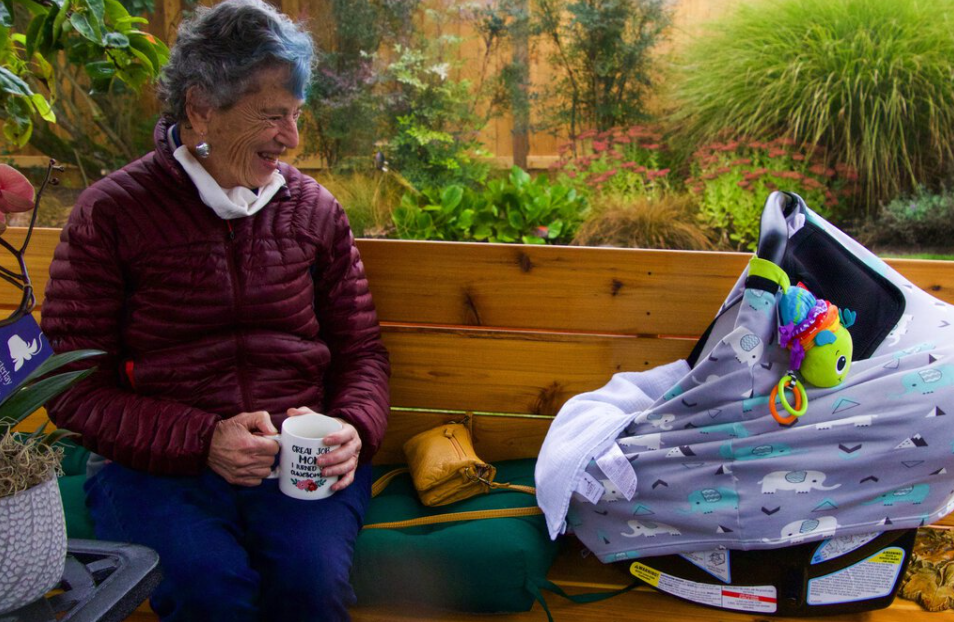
x: 32, y: 544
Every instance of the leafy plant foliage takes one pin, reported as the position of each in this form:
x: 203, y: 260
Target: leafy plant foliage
x: 99, y: 36
x: 515, y: 209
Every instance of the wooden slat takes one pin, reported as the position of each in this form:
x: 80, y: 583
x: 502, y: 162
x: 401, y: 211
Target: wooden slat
x: 627, y: 291
x: 498, y: 371
x: 619, y: 291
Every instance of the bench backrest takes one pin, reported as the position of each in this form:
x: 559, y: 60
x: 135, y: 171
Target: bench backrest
x: 507, y: 333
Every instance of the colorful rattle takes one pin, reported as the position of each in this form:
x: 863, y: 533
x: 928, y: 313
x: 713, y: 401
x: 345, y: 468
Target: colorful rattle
x: 815, y: 332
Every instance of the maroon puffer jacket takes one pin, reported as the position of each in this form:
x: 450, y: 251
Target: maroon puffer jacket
x: 204, y: 318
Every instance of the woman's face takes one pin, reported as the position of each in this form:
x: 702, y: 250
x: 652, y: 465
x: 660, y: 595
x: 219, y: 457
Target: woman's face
x: 247, y: 139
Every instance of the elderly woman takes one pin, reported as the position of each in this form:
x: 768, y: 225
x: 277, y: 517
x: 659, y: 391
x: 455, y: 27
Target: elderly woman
x: 225, y: 287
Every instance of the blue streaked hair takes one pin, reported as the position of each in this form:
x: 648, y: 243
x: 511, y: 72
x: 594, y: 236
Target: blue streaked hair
x: 222, y: 50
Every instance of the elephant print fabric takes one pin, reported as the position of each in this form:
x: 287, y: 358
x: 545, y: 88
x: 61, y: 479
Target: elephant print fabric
x: 713, y: 469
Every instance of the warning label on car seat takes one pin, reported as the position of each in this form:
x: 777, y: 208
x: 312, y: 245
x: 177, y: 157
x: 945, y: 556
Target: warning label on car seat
x: 755, y: 598
x: 873, y: 577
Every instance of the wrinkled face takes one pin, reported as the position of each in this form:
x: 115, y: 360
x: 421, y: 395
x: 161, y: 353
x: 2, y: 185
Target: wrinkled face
x: 247, y: 138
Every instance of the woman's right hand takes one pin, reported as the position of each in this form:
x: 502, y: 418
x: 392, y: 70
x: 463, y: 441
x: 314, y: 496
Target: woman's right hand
x: 240, y: 455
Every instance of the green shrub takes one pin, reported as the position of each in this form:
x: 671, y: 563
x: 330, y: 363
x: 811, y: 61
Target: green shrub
x: 733, y: 179
x: 622, y: 162
x: 515, y: 209
x: 433, y: 127
x: 870, y: 80
x: 650, y: 222
x: 601, y: 53
x: 923, y: 219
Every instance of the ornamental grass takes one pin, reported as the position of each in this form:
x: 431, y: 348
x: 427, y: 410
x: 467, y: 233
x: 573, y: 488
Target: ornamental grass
x: 869, y: 80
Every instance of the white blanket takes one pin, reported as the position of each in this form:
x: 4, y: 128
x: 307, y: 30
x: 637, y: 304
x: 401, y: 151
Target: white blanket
x: 586, y: 426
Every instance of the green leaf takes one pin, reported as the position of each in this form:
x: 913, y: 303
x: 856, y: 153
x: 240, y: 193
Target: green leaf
x: 141, y: 46
x: 27, y: 399
x: 466, y: 220
x: 117, y: 40
x: 58, y: 24
x: 518, y: 176
x: 83, y: 25
x: 44, y: 69
x: 97, y: 10
x: 516, y: 220
x: 483, y: 232
x: 60, y: 360
x: 146, y: 62
x: 451, y: 197
x: 18, y: 133
x: 35, y: 8
x: 532, y: 239
x: 33, y: 34
x: 100, y: 70
x: 46, y: 38
x: 115, y: 12
x: 13, y: 84
x: 43, y: 108
x: 56, y: 436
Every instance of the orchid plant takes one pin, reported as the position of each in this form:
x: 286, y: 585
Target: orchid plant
x: 27, y: 459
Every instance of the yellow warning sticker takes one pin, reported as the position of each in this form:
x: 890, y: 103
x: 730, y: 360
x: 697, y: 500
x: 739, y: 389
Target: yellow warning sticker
x: 645, y: 573
x: 888, y: 556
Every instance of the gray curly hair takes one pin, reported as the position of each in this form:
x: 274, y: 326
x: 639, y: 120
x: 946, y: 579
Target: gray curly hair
x: 221, y: 49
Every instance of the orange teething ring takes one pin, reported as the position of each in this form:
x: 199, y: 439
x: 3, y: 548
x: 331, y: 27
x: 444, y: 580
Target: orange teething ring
x: 788, y: 382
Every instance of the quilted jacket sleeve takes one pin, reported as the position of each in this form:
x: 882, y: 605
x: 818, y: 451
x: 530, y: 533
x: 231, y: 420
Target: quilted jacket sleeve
x: 83, y: 309
x: 357, y: 379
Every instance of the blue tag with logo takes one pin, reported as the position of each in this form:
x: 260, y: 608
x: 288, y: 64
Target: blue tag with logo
x: 22, y: 348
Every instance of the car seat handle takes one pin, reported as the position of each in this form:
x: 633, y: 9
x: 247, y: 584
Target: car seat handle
x: 773, y: 230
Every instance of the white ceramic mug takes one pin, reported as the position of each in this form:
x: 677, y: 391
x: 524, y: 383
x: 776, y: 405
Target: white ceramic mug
x: 301, y: 442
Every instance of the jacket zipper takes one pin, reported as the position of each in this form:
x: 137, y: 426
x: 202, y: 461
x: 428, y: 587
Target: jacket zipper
x: 240, y: 341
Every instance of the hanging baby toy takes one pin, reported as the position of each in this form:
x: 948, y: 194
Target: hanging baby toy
x: 815, y: 332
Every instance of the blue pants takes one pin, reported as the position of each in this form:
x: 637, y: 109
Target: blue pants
x: 235, y: 553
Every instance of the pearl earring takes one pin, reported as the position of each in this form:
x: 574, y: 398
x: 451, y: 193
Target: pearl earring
x: 203, y: 150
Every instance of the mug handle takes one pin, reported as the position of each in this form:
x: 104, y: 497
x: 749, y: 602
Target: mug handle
x: 276, y: 467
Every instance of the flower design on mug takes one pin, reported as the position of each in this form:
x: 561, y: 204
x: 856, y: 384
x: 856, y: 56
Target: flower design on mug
x: 308, y: 485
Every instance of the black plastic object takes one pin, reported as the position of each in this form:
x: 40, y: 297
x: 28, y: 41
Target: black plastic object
x: 102, y: 582
x: 798, y: 581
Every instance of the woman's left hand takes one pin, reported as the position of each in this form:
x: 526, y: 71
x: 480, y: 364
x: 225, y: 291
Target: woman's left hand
x: 343, y: 461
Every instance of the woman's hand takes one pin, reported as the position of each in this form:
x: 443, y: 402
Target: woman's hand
x: 238, y: 454
x: 342, y: 461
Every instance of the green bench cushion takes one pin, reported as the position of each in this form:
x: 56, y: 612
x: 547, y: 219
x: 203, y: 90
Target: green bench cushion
x: 490, y: 565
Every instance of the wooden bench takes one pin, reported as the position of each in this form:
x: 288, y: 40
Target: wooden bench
x: 507, y: 333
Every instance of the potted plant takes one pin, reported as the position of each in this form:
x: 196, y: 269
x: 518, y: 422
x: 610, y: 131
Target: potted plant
x: 32, y: 525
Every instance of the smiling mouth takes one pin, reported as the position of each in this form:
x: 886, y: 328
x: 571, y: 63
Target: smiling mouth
x: 269, y: 157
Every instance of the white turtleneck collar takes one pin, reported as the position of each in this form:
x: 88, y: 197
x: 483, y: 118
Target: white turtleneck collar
x: 237, y: 202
